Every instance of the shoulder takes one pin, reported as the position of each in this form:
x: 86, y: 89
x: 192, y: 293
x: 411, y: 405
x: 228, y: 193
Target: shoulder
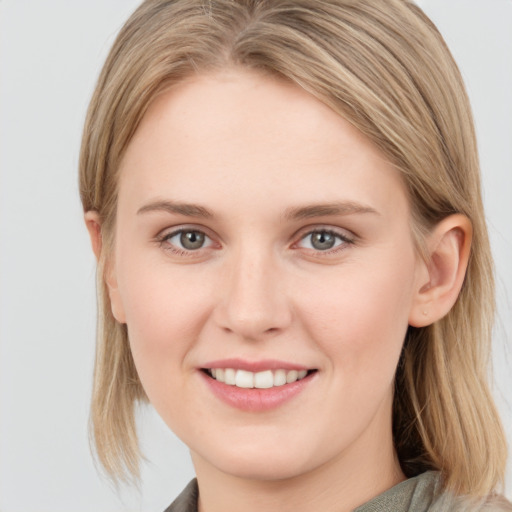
x: 446, y: 502
x: 419, y: 494
x: 187, y: 500
x: 424, y: 493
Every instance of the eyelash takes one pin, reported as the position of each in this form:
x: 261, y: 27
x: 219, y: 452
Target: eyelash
x: 345, y: 241
x: 163, y: 241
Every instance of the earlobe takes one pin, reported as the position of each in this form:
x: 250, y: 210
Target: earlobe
x: 443, y: 274
x: 116, y: 304
x: 92, y: 221
x: 93, y: 224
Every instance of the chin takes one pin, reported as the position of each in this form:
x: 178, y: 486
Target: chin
x: 263, y: 469
x: 256, y: 462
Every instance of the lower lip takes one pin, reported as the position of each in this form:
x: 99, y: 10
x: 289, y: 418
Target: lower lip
x: 254, y: 399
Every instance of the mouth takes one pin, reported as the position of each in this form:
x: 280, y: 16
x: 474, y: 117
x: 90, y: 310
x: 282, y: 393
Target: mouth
x: 257, y: 386
x: 266, y: 379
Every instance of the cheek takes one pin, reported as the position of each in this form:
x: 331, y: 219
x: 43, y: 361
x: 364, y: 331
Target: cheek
x: 165, y: 312
x: 362, y: 321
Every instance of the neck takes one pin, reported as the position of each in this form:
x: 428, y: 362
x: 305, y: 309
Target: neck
x: 366, y: 469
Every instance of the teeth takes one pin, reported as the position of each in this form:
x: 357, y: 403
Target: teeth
x: 261, y: 380
x: 279, y: 377
x: 230, y: 376
x: 292, y: 376
x: 244, y: 379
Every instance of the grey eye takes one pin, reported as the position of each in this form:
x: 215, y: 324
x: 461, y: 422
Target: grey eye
x: 187, y: 240
x: 323, y: 240
x: 192, y: 240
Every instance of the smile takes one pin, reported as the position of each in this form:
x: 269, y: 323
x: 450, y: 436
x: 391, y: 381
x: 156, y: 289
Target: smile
x: 256, y: 386
x: 261, y: 380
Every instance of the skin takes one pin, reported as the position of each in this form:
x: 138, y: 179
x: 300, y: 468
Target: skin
x: 252, y: 150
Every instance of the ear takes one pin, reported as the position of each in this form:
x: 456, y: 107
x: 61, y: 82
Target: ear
x: 441, y: 277
x: 93, y: 224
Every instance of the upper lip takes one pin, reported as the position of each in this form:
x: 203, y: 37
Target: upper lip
x: 254, y: 366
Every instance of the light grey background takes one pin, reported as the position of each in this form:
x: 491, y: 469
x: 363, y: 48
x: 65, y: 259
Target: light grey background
x: 51, y: 54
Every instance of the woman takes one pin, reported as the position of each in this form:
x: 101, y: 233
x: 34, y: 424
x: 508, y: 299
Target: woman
x: 294, y: 268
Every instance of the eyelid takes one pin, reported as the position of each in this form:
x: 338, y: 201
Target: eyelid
x: 173, y: 230
x: 347, y: 237
x: 164, y: 235
x: 329, y: 228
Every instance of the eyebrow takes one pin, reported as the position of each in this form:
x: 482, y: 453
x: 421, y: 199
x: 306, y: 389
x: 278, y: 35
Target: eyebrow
x: 186, y: 209
x: 323, y: 210
x: 294, y: 213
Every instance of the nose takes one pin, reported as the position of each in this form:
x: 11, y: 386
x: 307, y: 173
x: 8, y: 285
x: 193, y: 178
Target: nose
x: 254, y: 303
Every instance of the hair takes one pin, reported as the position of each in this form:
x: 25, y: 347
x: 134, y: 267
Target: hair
x: 383, y: 66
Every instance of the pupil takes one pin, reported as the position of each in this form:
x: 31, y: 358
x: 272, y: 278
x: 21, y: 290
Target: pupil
x: 322, y: 241
x: 192, y: 239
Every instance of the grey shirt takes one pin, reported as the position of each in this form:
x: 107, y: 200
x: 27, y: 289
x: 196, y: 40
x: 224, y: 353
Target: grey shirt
x: 419, y: 494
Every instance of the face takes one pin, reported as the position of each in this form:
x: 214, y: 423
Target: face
x: 265, y: 268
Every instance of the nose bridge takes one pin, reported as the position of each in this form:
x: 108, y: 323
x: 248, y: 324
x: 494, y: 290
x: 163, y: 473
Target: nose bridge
x: 254, y: 301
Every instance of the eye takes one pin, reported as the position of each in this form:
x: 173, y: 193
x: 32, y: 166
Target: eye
x: 187, y: 240
x: 323, y: 240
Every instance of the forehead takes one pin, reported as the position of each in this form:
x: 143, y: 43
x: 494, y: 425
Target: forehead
x: 255, y: 137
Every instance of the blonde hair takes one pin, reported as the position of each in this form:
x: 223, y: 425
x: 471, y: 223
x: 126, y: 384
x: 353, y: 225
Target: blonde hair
x: 383, y: 66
